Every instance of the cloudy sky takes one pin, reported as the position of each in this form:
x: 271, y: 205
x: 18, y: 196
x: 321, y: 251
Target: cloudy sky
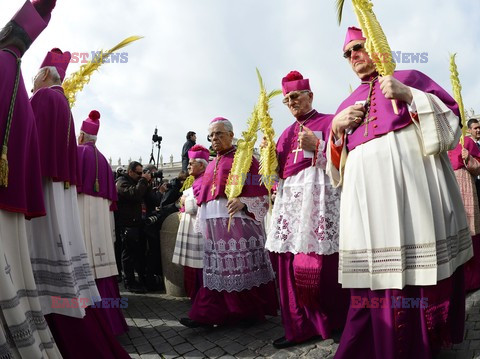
x: 198, y: 58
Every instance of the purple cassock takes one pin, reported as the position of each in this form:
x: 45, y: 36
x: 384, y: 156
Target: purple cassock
x: 97, y: 181
x: 381, y: 118
x: 59, y: 157
x: 251, y: 188
x: 455, y: 155
x: 93, y: 167
x: 58, y: 154
x: 311, y: 299
x: 24, y: 191
x: 237, y: 275
x: 466, y: 182
x: 287, y: 142
x: 371, y: 330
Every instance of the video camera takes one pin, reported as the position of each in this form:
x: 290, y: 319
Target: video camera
x: 158, y: 174
x: 156, y: 137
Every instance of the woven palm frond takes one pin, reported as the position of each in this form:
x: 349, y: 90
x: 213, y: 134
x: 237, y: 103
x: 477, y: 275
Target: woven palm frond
x: 457, y: 95
x: 188, y: 183
x: 268, y: 154
x: 76, y: 81
x: 376, y: 45
x: 242, y: 160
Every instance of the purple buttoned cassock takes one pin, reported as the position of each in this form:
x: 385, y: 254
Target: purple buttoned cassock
x: 455, y: 155
x: 251, y: 187
x: 88, y: 155
x: 56, y: 133
x: 24, y: 192
x: 288, y: 142
x: 382, y: 119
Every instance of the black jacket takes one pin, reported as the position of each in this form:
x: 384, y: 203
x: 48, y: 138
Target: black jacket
x: 130, y: 198
x: 186, y: 147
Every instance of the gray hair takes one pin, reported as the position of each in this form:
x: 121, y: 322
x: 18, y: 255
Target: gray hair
x: 54, y: 75
x: 202, y: 161
x: 228, y: 125
x: 88, y: 137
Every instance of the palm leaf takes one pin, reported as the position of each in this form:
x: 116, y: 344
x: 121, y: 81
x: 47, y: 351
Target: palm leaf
x: 339, y: 6
x: 77, y: 80
x: 457, y: 94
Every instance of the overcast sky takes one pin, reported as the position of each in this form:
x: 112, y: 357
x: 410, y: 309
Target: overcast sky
x: 198, y: 58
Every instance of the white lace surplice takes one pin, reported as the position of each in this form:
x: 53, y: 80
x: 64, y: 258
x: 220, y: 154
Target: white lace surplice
x: 189, y: 244
x: 305, y: 214
x: 234, y: 260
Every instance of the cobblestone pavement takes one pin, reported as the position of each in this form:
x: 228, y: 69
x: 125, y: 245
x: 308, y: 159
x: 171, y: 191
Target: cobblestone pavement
x: 155, y: 333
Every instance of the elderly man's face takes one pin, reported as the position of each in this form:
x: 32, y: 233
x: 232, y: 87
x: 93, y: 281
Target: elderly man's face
x: 221, y: 138
x: 475, y: 131
x: 299, y: 102
x: 195, y: 168
x: 40, y: 79
x: 361, y: 63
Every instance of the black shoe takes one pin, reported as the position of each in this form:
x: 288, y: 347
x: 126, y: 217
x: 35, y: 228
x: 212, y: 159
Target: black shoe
x: 190, y: 323
x: 135, y: 287
x: 283, y: 342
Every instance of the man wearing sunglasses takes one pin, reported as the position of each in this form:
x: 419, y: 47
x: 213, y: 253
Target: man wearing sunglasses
x: 131, y: 189
x: 303, y: 237
x: 404, y: 236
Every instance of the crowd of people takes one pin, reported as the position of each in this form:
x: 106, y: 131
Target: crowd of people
x: 371, y: 228
x: 374, y: 209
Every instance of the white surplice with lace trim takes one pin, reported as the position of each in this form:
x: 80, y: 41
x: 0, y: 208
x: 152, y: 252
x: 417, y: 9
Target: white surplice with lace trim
x: 305, y: 214
x: 402, y: 220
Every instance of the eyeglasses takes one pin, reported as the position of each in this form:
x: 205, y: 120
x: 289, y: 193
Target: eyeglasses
x: 357, y: 47
x: 293, y: 96
x: 217, y: 133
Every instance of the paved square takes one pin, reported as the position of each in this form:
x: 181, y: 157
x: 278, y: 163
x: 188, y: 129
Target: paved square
x: 156, y: 333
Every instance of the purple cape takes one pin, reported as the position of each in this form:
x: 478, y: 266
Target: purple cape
x: 455, y: 155
x: 251, y: 187
x: 58, y: 144
x: 87, y: 170
x: 24, y: 192
x: 288, y: 142
x: 381, y: 108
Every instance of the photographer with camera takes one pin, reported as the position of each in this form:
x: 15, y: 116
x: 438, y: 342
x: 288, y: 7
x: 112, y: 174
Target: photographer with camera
x: 153, y: 197
x: 131, y: 189
x: 173, y: 194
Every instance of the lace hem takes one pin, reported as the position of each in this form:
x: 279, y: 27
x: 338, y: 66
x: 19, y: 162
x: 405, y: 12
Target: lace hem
x: 305, y: 216
x: 235, y: 260
x: 237, y: 283
x: 258, y: 206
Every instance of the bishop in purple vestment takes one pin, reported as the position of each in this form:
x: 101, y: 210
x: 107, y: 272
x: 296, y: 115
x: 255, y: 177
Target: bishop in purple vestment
x: 24, y: 330
x: 404, y: 236
x: 303, y: 235
x: 238, y: 280
x: 59, y: 257
x: 97, y: 198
